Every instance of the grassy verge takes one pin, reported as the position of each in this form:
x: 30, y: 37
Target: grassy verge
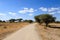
x: 49, y: 33
x: 8, y: 28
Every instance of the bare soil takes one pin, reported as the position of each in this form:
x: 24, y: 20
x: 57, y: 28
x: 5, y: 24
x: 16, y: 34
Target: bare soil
x: 27, y: 33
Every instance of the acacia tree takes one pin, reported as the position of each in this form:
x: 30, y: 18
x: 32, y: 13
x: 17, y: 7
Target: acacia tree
x: 0, y: 20
x: 46, y: 18
x: 19, y: 20
x: 38, y: 20
x: 12, y: 20
x: 30, y: 21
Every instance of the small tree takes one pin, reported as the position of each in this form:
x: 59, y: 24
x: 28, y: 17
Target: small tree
x: 46, y: 18
x: 0, y: 20
x: 30, y: 21
x: 12, y: 20
x: 57, y: 21
x: 3, y: 21
x: 38, y: 20
x: 19, y: 20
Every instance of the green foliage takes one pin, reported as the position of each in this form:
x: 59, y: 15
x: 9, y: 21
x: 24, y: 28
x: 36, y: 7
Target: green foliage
x: 30, y: 21
x: 57, y: 21
x: 3, y: 21
x: 46, y: 18
x: 0, y: 20
x: 38, y: 20
x: 12, y: 20
x: 19, y: 20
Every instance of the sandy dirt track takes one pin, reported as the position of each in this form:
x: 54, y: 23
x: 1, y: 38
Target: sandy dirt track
x: 27, y: 33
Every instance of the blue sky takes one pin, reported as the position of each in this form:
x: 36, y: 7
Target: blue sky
x: 27, y: 9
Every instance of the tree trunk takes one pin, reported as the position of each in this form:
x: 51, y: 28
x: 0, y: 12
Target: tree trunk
x: 46, y: 24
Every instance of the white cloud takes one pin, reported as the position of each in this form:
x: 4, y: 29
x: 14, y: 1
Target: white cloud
x: 31, y: 10
x: 12, y: 13
x: 23, y: 11
x: 2, y: 14
x: 52, y: 9
x: 55, y: 12
x: 43, y: 9
x: 52, y: 12
x: 49, y: 9
x: 27, y: 10
x: 30, y: 14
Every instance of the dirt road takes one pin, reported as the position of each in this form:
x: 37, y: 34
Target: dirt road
x: 27, y: 33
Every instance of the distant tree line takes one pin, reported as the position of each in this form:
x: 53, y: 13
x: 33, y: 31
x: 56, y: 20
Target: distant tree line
x: 2, y: 21
x: 57, y: 21
x: 43, y: 18
x: 17, y: 20
x: 30, y: 21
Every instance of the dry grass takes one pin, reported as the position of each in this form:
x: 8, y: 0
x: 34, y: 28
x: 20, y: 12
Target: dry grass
x: 49, y: 33
x: 8, y: 28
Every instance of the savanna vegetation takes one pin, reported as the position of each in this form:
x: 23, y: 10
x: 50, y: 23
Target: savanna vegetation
x: 12, y: 25
x: 45, y: 18
x: 51, y: 29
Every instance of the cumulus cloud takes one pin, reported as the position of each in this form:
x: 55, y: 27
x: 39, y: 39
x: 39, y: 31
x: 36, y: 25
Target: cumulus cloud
x: 30, y: 14
x: 12, y: 13
x: 2, y: 14
x: 52, y: 9
x: 52, y: 12
x: 43, y: 9
x: 31, y: 10
x: 49, y: 9
x: 27, y: 10
x: 23, y: 11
